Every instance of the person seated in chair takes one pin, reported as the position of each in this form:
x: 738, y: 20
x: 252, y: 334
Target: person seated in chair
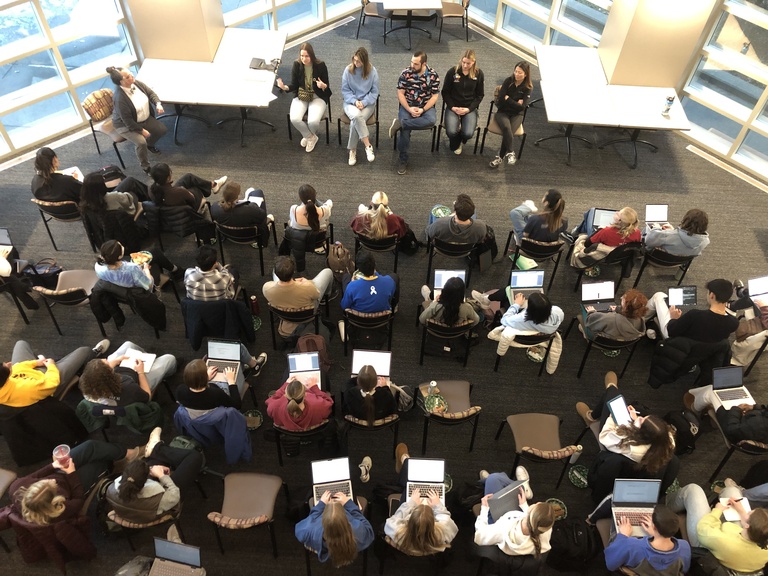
x: 368, y: 397
x: 50, y: 185
x: 536, y: 313
x: 23, y: 384
x: 298, y: 406
x: 230, y: 211
x: 126, y: 197
x: 689, y: 239
x: 747, y: 342
x: 459, y: 227
x: 376, y: 221
x: 151, y: 486
x: 667, y: 555
x: 104, y: 381
x: 450, y: 308
x: 624, y: 322
x: 146, y: 272
x: 592, y: 247
x: 543, y: 225
x: 200, y: 392
x: 366, y: 290
x: 742, y: 422
x: 712, y: 325
x: 335, y: 530
x: 418, y: 528
x: 209, y: 280
x: 189, y: 190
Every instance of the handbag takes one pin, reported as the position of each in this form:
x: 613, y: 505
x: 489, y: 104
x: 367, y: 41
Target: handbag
x: 305, y: 95
x: 404, y: 397
x: 45, y: 273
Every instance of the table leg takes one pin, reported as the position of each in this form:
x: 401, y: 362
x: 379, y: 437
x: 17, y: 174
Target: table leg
x: 178, y: 114
x: 243, y: 118
x: 409, y: 25
x: 568, y: 135
x: 634, y: 140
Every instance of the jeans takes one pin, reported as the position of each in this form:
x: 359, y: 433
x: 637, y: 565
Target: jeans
x: 692, y: 500
x: 587, y: 223
x: 519, y: 217
x: 315, y: 110
x: 493, y: 484
x: 508, y: 125
x: 156, y: 131
x: 163, y: 366
x: 358, y: 129
x: 185, y: 464
x: 68, y: 366
x: 657, y: 307
x: 92, y: 458
x: 408, y: 123
x: 459, y: 128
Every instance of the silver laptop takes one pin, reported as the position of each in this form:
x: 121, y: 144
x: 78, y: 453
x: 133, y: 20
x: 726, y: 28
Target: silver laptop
x: 599, y: 295
x: 617, y: 406
x: 425, y: 474
x: 331, y: 475
x: 682, y: 296
x: 223, y: 354
x: 175, y: 559
x: 635, y: 500
x: 758, y: 288
x: 442, y: 276
x: 380, y: 361
x: 728, y: 387
x: 603, y: 217
x: 526, y: 282
x: 656, y: 216
x: 304, y: 366
x: 505, y: 500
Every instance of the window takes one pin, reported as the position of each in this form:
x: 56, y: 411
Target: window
x: 754, y: 152
x: 485, y: 10
x: 721, y: 84
x: 33, y: 123
x: 299, y: 15
x: 586, y: 16
x: 522, y: 27
x: 710, y: 127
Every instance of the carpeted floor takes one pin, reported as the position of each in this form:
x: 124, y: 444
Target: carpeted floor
x: 270, y: 161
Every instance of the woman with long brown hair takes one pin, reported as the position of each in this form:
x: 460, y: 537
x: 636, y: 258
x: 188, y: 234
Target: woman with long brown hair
x: 309, y: 215
x: 368, y: 397
x: 50, y: 185
x: 542, y: 225
x: 511, y: 102
x: 360, y: 90
x: 335, y: 530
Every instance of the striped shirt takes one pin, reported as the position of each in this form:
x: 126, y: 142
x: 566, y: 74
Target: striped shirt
x: 215, y: 284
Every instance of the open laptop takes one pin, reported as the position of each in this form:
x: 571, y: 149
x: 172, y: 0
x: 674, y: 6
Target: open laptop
x: 526, y: 282
x: 728, y: 387
x: 681, y: 296
x: 304, y: 366
x: 758, y: 288
x: 603, y: 217
x: 331, y: 475
x: 380, y: 361
x: 634, y: 499
x: 505, y: 500
x: 656, y: 216
x: 223, y: 354
x: 175, y: 559
x: 442, y: 276
x: 617, y: 406
x: 599, y: 295
x: 425, y: 474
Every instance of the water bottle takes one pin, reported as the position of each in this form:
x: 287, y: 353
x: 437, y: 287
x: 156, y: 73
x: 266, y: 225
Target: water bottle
x: 432, y: 387
x: 255, y: 308
x: 667, y: 105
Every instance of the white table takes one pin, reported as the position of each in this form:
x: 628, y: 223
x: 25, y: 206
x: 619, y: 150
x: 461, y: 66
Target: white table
x: 227, y: 81
x: 409, y: 6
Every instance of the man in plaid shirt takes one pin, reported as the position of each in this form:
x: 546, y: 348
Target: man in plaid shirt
x: 209, y: 280
x: 417, y: 90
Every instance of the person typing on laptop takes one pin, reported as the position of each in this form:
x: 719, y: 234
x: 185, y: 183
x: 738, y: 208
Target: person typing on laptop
x: 624, y: 322
x: 590, y: 248
x: 740, y: 419
x: 689, y: 239
x: 368, y: 397
x: 296, y: 406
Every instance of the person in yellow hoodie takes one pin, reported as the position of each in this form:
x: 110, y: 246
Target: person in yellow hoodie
x: 22, y: 383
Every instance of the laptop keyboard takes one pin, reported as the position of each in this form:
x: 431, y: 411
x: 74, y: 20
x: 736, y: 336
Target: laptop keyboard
x: 634, y: 515
x: 164, y: 568
x: 344, y: 487
x: 735, y: 394
x: 425, y: 488
x: 221, y: 364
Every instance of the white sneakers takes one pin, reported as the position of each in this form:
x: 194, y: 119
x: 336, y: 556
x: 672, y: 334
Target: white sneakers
x: 481, y: 299
x: 459, y: 149
x: 511, y: 158
x: 394, y: 128
x: 496, y: 162
x: 303, y: 143
x: 352, y: 157
x: 530, y: 205
x: 217, y: 184
x: 312, y: 142
x: 369, y: 153
x: 521, y: 474
x: 425, y: 293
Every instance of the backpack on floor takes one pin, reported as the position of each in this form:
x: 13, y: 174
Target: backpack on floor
x: 574, y: 543
x: 315, y: 343
x: 340, y: 261
x: 687, y: 430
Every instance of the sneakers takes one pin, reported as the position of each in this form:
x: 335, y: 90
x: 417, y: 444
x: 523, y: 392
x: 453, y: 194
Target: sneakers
x: 496, y: 162
x: 312, y: 142
x: 425, y: 293
x: 402, y: 168
x: 154, y: 440
x: 217, y: 184
x: 484, y: 474
x: 303, y: 143
x: 153, y: 149
x: 394, y: 128
x: 521, y: 474
x: 611, y: 379
x: 731, y: 483
x: 459, y: 149
x: 585, y: 412
x: 481, y: 299
x: 172, y: 534
x: 568, y: 236
x: 271, y: 218
x: 101, y: 347
x: 511, y: 158
x: 530, y: 205
x: 369, y: 153
x: 352, y: 157
x: 401, y: 453
x: 342, y: 334
x: 365, y: 469
x: 261, y: 361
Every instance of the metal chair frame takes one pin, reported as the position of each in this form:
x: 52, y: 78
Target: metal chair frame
x: 449, y: 250
x: 243, y: 235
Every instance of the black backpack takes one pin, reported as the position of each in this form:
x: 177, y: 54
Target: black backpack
x: 574, y: 543
x: 687, y: 429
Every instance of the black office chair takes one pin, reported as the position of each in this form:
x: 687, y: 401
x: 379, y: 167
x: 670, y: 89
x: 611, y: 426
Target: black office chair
x: 244, y: 235
x: 371, y: 321
x: 622, y: 256
x: 539, y: 251
x: 373, y: 119
x: 446, y: 333
x: 526, y: 341
x: 661, y: 259
x: 449, y: 250
x: 296, y: 316
x: 67, y: 211
x: 298, y: 436
x: 603, y: 343
x: 388, y: 244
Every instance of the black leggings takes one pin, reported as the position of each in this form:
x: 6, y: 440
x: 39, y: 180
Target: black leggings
x: 185, y: 464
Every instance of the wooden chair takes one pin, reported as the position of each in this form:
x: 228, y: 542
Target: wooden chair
x: 373, y: 119
x: 99, y: 105
x: 459, y: 408
x: 244, y: 235
x: 454, y: 10
x: 67, y: 211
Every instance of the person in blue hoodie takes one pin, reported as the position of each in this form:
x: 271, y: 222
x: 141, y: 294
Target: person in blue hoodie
x: 664, y: 553
x: 335, y: 529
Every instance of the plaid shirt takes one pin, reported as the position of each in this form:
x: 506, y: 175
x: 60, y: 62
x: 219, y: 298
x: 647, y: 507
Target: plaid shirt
x: 211, y: 285
x: 419, y: 88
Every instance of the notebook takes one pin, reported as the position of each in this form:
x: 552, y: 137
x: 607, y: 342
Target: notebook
x: 505, y: 500
x: 656, y: 215
x: 681, y: 296
x: 727, y: 386
x: 74, y: 171
x: 331, y: 475
x: 304, y: 366
x: 635, y: 500
x: 223, y: 354
x: 599, y: 295
x: 425, y: 474
x: 526, y: 282
x: 379, y: 360
x: 175, y: 559
x: 134, y: 355
x: 619, y: 412
x: 603, y: 217
x: 730, y: 514
x: 758, y: 288
x: 442, y: 276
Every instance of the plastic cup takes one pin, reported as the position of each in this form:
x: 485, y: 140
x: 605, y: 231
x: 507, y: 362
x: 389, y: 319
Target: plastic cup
x: 61, y: 455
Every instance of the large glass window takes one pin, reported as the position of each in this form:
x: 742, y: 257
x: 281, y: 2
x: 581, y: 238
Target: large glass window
x: 20, y: 31
x: 485, y: 10
x: 35, y: 122
x: 587, y: 16
x: 740, y: 36
x: 754, y: 152
x: 522, y: 27
x: 298, y: 15
x: 711, y: 127
x: 720, y: 83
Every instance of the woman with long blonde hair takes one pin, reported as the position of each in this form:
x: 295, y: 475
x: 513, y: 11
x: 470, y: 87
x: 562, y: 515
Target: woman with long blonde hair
x: 377, y: 221
x: 463, y: 90
x: 590, y: 247
x: 298, y: 406
x: 360, y: 90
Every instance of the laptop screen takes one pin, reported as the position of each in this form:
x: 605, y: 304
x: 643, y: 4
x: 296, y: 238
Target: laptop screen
x: 727, y: 377
x: 330, y: 470
x: 442, y: 276
x: 594, y: 291
x: 224, y: 349
x: 682, y: 296
x: 379, y: 360
x: 304, y: 362
x: 656, y: 212
x: 176, y: 552
x: 636, y: 491
x: 603, y: 217
x: 527, y: 279
x: 426, y: 470
x: 758, y: 286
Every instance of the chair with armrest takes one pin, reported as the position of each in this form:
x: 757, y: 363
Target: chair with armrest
x: 66, y: 211
x: 99, y: 106
x: 660, y: 259
x: 458, y: 409
x: 72, y: 289
x: 454, y: 10
x: 456, y: 250
x: 373, y: 119
x: 244, y: 235
x: 388, y: 244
